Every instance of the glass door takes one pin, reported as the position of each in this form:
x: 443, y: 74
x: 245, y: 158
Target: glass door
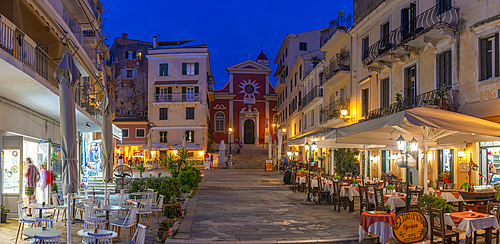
x: 12, y: 172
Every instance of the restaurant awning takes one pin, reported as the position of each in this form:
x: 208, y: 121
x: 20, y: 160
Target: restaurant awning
x: 155, y: 147
x: 326, y: 139
x: 189, y: 146
x: 131, y: 143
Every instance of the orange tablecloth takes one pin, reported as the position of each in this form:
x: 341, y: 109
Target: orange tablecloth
x: 366, y: 219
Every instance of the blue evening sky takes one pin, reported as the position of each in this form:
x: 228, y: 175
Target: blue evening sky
x: 232, y: 29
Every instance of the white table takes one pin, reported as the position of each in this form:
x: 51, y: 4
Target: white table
x: 394, y: 201
x: 48, y: 232
x: 351, y: 192
x: 301, y: 180
x: 84, y: 232
x: 40, y: 207
x: 469, y: 225
x: 108, y: 208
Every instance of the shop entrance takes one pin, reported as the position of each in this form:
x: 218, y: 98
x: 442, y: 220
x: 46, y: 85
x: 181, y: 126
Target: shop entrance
x: 12, y: 172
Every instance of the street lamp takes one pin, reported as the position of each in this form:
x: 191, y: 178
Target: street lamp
x: 230, y: 132
x: 406, y: 148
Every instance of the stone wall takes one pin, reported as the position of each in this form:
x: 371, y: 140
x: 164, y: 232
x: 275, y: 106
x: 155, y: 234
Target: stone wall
x: 361, y: 8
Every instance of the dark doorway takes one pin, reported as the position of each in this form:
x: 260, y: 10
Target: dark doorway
x: 248, y: 129
x: 411, y: 85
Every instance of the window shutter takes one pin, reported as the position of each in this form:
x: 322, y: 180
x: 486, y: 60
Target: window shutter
x: 169, y: 90
x: 124, y: 73
x: 196, y: 68
x: 183, y: 89
x: 134, y: 55
x: 157, y: 90
x: 497, y: 71
x: 135, y: 73
x: 184, y: 69
x: 126, y: 54
x: 484, y: 68
x: 196, y: 89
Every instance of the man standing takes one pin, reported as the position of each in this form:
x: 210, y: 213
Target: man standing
x: 32, y: 176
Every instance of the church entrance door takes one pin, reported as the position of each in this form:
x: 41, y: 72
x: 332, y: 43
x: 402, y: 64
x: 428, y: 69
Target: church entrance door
x: 248, y: 128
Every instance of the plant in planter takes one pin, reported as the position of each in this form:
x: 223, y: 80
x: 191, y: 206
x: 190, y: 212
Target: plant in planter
x: 173, y: 211
x: 464, y: 186
x: 445, y: 175
x: 497, y: 196
x: 441, y: 96
x: 4, y: 214
x: 355, y: 182
x: 432, y: 200
x: 141, y: 169
x: 390, y: 188
x: 164, y: 231
x: 336, y: 177
x: 387, y: 208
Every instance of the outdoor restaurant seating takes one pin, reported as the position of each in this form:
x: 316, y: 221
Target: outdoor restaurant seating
x: 128, y: 223
x: 144, y: 210
x: 339, y: 201
x: 322, y: 194
x: 23, y: 219
x: 493, y: 209
x: 45, y: 239
x: 158, y: 208
x: 96, y: 238
x: 414, y: 196
x: 438, y: 226
x: 59, y: 207
x: 139, y: 236
x: 364, y: 202
x: 47, y: 223
x: 379, y: 199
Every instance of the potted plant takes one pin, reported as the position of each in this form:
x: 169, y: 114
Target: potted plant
x: 342, y: 57
x: 4, y: 214
x: 441, y: 95
x: 390, y: 188
x: 141, y: 169
x: 445, y: 175
x: 164, y: 231
x: 432, y: 200
x: 336, y: 177
x: 355, y: 183
x: 464, y: 186
x: 173, y: 211
x: 387, y: 208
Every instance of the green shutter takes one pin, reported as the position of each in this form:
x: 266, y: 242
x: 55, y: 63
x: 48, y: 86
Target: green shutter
x: 169, y: 90
x: 196, y: 68
x: 157, y: 90
x: 134, y: 55
x: 484, y: 68
x: 183, y: 89
x: 184, y: 69
x: 196, y: 89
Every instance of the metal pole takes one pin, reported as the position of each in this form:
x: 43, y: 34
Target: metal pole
x: 407, y: 183
x: 366, y: 163
x: 69, y: 215
x: 426, y: 160
x: 309, y: 180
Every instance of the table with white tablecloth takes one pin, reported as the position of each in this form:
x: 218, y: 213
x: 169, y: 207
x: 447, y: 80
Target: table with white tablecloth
x: 349, y: 191
x: 394, y: 201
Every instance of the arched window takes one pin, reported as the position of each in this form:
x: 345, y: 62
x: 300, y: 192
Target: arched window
x: 219, y: 122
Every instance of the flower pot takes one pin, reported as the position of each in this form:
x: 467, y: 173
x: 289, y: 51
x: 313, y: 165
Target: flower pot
x: 446, y: 181
x: 443, y: 104
x: 162, y: 235
x: 4, y: 218
x: 388, y: 211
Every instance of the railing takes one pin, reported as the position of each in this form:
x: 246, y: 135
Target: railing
x: 73, y: 25
x: 85, y: 101
x: 445, y: 98
x: 210, y: 84
x: 340, y: 23
x: 334, y: 68
x: 332, y: 111
x: 176, y: 97
x: 24, y: 49
x: 440, y: 14
x: 315, y: 92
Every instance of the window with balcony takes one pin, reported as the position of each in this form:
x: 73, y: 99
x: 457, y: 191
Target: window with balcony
x: 410, y: 84
x: 384, y: 33
x: 219, y: 122
x: 303, y: 46
x: 163, y: 136
x: 384, y: 93
x: 190, y: 136
x: 163, y: 69
x: 364, y: 102
x: 365, y: 46
x: 189, y: 113
x: 125, y: 133
x: 140, y: 133
x: 163, y: 113
x: 444, y: 69
x: 408, y: 20
x: 489, y: 57
x: 190, y: 68
x: 443, y: 6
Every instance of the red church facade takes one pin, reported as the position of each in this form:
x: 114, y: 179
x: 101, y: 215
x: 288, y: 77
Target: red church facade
x: 247, y: 104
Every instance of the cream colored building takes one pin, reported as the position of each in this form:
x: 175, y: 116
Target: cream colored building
x: 179, y: 84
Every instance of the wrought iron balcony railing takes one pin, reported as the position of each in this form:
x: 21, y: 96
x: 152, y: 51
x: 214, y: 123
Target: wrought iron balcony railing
x: 315, y: 92
x: 445, y: 98
x: 176, y: 97
x: 332, y: 110
x: 440, y: 14
x: 334, y: 68
x: 340, y: 23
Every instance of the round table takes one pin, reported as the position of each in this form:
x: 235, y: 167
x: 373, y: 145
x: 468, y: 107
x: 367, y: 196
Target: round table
x: 108, y: 208
x: 41, y: 207
x: 48, y: 232
x: 377, y: 222
x: 74, y: 197
x: 83, y: 233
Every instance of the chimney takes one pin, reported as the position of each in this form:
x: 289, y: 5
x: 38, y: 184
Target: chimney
x: 124, y: 36
x: 155, y: 45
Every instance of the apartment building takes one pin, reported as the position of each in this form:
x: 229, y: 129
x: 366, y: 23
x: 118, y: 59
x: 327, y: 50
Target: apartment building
x: 179, y: 87
x: 130, y: 89
x: 34, y: 35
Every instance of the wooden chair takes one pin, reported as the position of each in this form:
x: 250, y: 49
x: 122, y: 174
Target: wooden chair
x: 128, y: 223
x: 341, y: 201
x: 363, y: 200
x: 415, y: 195
x: 493, y: 209
x: 322, y: 194
x: 379, y: 199
x: 402, y: 187
x: 440, y: 184
x: 23, y: 219
x: 438, y: 227
x: 59, y: 207
x: 47, y: 223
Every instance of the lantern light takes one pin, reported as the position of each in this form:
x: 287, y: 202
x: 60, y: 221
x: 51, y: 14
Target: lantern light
x: 401, y: 143
x: 461, y: 153
x: 343, y: 112
x: 284, y: 130
x: 413, y: 145
x: 314, y: 146
x: 307, y: 146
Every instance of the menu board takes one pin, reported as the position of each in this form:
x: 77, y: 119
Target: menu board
x: 410, y: 227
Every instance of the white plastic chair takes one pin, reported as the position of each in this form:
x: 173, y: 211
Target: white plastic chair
x: 23, y: 219
x: 92, y: 223
x: 140, y: 234
x: 45, y: 239
x: 96, y: 238
x: 158, y: 208
x: 59, y: 207
x: 128, y: 222
x: 47, y: 223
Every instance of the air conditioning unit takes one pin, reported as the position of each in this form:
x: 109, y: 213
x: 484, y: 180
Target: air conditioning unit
x: 140, y: 114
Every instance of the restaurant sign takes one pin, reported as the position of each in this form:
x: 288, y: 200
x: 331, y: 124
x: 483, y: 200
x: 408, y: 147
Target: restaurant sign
x: 410, y: 227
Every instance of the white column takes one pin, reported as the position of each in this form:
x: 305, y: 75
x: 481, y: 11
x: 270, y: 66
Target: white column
x: 332, y: 160
x: 366, y: 162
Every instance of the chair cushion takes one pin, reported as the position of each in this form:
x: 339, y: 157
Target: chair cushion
x: 119, y: 223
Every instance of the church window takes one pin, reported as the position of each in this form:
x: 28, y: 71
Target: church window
x: 219, y: 122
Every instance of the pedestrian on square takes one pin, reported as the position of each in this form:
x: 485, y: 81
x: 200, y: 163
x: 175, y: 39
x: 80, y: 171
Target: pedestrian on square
x: 32, y: 177
x: 120, y: 160
x: 301, y: 161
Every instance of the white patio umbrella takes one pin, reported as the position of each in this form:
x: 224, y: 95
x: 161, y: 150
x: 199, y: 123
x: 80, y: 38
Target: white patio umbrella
x: 278, y: 153
x: 270, y: 144
x: 67, y: 73
x: 107, y: 107
x: 150, y: 143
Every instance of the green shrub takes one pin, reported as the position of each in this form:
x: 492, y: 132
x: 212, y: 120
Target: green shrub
x: 432, y: 200
x: 190, y: 177
x: 164, y: 185
x: 173, y: 211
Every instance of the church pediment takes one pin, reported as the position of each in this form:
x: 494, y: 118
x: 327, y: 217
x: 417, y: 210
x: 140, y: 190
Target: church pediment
x: 249, y: 65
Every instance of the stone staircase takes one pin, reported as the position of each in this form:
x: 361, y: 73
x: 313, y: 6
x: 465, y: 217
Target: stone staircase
x: 250, y: 157
x: 244, y: 184
x: 97, y: 184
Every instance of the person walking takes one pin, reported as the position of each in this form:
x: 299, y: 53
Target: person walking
x: 42, y: 183
x: 32, y: 177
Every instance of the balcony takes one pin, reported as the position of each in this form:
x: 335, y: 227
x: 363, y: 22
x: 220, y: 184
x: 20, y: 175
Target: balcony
x: 340, y: 23
x: 309, y: 97
x: 176, y: 98
x: 443, y: 98
x: 332, y: 111
x: 431, y: 26
x: 337, y: 68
